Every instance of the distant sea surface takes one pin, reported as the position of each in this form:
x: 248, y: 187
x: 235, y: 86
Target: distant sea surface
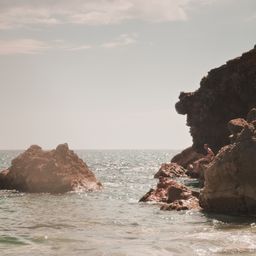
x: 112, y: 222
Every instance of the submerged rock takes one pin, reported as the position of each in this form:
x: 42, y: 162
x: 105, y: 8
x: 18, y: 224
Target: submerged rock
x: 54, y: 171
x: 230, y: 180
x: 226, y: 93
x: 170, y: 170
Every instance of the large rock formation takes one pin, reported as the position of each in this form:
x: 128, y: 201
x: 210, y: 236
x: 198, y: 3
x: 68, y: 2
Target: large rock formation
x: 230, y: 180
x: 226, y: 93
x: 54, y: 171
x: 219, y: 107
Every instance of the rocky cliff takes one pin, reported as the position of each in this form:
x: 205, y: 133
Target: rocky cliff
x: 226, y: 93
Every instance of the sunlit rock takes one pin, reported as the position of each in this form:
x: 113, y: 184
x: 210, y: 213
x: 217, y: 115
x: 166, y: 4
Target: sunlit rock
x: 173, y: 195
x: 170, y: 170
x: 55, y: 171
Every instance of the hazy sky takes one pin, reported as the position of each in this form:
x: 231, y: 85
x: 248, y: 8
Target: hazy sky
x: 106, y: 73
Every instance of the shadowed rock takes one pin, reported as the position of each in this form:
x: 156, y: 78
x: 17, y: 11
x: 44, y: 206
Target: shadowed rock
x: 235, y: 126
x: 230, y: 180
x: 251, y: 115
x: 54, y: 171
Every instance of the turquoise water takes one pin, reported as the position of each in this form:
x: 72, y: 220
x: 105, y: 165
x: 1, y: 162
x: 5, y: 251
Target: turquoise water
x: 111, y: 222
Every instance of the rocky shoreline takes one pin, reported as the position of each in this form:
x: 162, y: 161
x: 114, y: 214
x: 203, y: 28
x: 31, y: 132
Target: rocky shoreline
x: 221, y: 113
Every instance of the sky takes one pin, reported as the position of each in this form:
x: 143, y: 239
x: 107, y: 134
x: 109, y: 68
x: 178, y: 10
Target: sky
x: 106, y: 74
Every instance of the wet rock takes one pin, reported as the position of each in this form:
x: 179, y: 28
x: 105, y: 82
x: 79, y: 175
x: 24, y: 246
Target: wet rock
x: 54, y: 171
x: 179, y: 205
x: 159, y: 194
x: 230, y: 180
x: 177, y: 192
x: 174, y: 196
x: 180, y: 197
x: 186, y: 157
x: 226, y: 93
x: 170, y: 170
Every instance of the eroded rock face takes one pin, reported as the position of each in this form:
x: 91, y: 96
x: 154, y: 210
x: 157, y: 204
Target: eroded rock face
x: 230, y: 180
x: 228, y: 92
x: 170, y: 170
x: 186, y: 157
x: 54, y: 171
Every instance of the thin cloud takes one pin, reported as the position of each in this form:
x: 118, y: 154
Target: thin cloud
x: 22, y: 46
x: 33, y: 46
x: 80, y: 48
x: 122, y: 40
x: 20, y: 13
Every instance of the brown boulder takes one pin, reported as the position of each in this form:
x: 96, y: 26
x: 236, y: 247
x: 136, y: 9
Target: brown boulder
x: 186, y: 157
x: 174, y: 196
x: 191, y: 203
x: 54, y: 171
x: 159, y: 194
x: 230, y: 180
x: 226, y: 93
x: 178, y: 192
x: 180, y: 197
x: 170, y: 170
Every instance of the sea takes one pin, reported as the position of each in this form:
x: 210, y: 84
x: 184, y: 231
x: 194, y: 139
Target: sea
x: 111, y: 222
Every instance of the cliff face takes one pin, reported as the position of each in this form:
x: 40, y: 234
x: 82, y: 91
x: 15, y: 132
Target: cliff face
x: 228, y: 92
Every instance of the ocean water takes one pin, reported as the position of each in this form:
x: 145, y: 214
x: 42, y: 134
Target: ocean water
x: 112, y: 222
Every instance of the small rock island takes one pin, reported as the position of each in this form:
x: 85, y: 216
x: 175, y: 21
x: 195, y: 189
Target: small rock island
x: 55, y: 171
